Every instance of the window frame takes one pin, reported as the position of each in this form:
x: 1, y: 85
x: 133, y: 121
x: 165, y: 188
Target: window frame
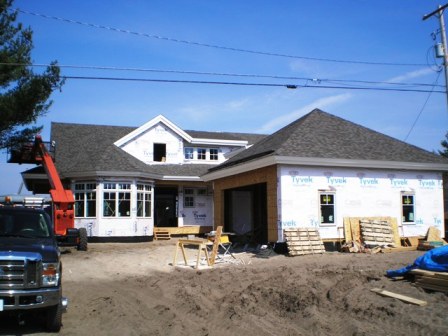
x: 144, y: 200
x: 189, y: 198
x: 327, y: 205
x: 214, y: 154
x: 189, y: 151
x: 407, y: 215
x: 202, y: 154
x: 85, y: 194
x: 118, y: 199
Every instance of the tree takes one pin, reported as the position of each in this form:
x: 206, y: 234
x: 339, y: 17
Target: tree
x: 444, y: 144
x: 24, y: 95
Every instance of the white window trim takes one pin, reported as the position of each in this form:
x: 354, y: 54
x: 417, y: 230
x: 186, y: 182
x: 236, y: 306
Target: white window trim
x: 327, y: 192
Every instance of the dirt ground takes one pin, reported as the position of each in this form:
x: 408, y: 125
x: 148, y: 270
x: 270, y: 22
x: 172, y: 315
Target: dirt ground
x: 133, y: 289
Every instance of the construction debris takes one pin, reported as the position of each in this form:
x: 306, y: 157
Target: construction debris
x: 373, y: 235
x: 436, y: 281
x: 403, y: 298
x: 432, y: 240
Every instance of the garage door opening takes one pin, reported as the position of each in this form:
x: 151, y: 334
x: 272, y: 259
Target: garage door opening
x: 245, y: 213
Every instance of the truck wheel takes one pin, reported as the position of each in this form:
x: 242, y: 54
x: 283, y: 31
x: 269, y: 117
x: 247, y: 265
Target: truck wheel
x: 82, y: 246
x: 53, y: 318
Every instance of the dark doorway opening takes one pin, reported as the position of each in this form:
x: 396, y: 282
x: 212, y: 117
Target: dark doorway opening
x: 159, y: 152
x: 165, y: 207
x: 245, y: 213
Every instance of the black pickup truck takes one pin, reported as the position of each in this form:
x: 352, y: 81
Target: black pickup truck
x: 30, y: 267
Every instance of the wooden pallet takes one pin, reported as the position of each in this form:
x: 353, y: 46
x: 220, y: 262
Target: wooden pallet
x: 376, y: 232
x: 436, y: 281
x: 161, y: 234
x: 302, y: 241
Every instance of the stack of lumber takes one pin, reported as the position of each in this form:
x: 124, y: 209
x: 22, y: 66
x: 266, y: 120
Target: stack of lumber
x: 432, y: 240
x: 437, y: 281
x: 161, y: 234
x: 301, y: 241
x: 376, y: 232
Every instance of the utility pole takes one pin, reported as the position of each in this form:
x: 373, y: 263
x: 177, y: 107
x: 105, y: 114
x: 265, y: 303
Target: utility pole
x: 439, y: 13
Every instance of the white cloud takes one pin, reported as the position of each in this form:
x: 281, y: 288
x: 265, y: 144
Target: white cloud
x: 321, y: 103
x: 411, y: 75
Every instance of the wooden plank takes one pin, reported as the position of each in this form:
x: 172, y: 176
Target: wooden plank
x: 160, y: 234
x: 305, y: 243
x: 186, y: 230
x: 347, y: 230
x: 305, y: 248
x: 433, y: 235
x: 215, y: 245
x: 398, y: 249
x: 297, y: 253
x: 432, y: 287
x: 293, y: 239
x: 400, y: 297
x: 432, y: 280
x: 443, y: 275
x: 378, y: 236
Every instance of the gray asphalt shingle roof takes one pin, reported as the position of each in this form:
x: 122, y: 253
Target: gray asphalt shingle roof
x: 90, y: 148
x: 321, y: 135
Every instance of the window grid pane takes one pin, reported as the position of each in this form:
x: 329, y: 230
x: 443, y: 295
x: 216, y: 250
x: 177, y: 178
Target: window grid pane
x: 213, y: 154
x: 202, y: 154
x: 408, y: 208
x: 327, y: 208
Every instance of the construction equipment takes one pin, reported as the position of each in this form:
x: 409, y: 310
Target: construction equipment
x: 62, y: 199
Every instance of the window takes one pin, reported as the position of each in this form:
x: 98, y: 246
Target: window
x: 85, y: 200
x: 213, y: 154
x: 326, y: 208
x: 144, y: 194
x: 188, y: 198
x: 159, y: 152
x: 188, y: 153
x: 408, y: 208
x: 202, y: 154
x: 117, y: 200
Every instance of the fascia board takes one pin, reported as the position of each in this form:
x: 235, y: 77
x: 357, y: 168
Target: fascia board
x: 322, y: 162
x: 181, y: 178
x: 114, y: 174
x: 375, y: 164
x: 240, y: 168
x: 34, y: 176
x: 148, y: 125
x: 218, y: 142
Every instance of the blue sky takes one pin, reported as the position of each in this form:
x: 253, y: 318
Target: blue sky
x: 210, y: 36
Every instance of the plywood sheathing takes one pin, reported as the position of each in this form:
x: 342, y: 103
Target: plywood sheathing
x: 301, y: 241
x: 352, y: 228
x: 433, y: 235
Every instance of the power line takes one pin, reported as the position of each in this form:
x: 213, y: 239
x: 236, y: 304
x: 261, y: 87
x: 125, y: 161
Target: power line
x: 215, y: 46
x: 423, y: 107
x: 318, y: 80
x: 289, y: 86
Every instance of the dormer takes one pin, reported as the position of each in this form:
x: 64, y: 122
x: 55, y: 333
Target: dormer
x: 160, y: 141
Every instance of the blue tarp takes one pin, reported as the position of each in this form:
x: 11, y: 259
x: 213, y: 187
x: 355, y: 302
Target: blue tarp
x: 435, y: 260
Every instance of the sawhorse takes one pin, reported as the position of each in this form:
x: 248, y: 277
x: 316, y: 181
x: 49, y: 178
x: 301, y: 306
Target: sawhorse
x: 200, y: 243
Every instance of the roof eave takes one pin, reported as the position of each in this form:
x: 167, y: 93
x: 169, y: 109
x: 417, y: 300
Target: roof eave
x: 322, y: 162
x: 219, y: 142
x: 111, y: 174
x: 181, y: 178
